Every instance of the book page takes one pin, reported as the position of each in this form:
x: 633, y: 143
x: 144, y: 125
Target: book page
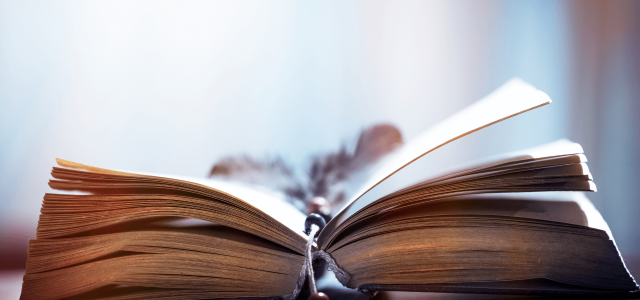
x: 594, y: 218
x: 421, y: 170
x: 270, y: 202
x: 512, y: 98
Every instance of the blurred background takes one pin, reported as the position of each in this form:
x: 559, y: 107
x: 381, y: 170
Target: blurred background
x: 171, y: 87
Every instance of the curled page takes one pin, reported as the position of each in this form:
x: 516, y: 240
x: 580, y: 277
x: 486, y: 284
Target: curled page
x: 270, y: 202
x: 512, y: 98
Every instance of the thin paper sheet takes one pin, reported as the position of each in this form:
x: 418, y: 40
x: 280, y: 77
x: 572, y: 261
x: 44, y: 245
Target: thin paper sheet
x: 512, y: 98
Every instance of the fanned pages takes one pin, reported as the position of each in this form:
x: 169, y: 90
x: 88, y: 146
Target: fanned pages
x: 511, y: 99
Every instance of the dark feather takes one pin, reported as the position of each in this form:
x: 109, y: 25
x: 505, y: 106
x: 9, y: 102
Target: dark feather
x: 328, y: 174
x: 269, y: 172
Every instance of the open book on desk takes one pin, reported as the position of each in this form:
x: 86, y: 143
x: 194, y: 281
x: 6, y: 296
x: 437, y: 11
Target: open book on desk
x: 462, y: 231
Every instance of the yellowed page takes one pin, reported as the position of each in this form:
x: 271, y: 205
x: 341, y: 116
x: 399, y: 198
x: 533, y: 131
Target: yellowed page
x: 270, y: 202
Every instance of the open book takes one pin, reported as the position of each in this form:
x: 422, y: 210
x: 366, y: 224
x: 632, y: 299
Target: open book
x: 124, y: 235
